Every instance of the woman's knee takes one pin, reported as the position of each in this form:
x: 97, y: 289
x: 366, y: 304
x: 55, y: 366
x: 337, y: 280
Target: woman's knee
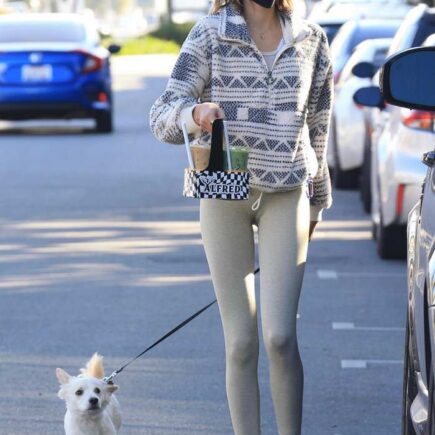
x: 242, y: 351
x: 280, y: 344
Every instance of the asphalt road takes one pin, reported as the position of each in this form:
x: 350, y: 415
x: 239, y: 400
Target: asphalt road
x: 100, y: 252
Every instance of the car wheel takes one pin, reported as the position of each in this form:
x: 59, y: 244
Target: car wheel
x: 342, y: 179
x: 391, y: 241
x: 104, y: 122
x: 409, y: 386
x: 366, y: 195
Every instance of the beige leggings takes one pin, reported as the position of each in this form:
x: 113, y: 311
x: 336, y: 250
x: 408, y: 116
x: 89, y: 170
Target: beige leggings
x: 283, y: 226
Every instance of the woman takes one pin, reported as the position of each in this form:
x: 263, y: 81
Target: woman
x: 268, y: 73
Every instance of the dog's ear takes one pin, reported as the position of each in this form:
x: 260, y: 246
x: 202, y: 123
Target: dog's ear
x: 62, y: 376
x: 111, y: 388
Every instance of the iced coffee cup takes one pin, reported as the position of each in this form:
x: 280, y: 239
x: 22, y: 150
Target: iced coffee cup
x: 201, y: 156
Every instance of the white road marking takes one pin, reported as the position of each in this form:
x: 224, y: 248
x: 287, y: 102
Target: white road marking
x: 373, y: 274
x: 353, y: 364
x: 333, y: 274
x: 363, y: 363
x: 351, y: 326
x: 327, y: 274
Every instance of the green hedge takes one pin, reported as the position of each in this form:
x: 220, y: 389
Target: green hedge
x: 173, y: 32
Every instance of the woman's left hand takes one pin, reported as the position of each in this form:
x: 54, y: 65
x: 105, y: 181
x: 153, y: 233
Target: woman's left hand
x: 312, y: 226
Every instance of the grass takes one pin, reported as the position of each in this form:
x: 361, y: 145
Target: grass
x: 148, y: 45
x: 167, y: 39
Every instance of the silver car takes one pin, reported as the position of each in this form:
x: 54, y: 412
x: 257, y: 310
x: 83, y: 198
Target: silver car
x: 419, y: 364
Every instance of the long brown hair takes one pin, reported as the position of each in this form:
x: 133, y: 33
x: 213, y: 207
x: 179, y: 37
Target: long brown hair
x: 280, y: 5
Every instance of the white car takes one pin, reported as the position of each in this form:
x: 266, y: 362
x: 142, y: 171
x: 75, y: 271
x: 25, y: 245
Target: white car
x: 352, y: 33
x: 348, y: 133
x: 399, y: 139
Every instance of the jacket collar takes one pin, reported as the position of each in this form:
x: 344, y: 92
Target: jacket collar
x: 233, y: 26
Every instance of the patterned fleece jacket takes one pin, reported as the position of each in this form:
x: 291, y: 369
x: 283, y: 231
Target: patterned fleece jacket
x: 282, y: 115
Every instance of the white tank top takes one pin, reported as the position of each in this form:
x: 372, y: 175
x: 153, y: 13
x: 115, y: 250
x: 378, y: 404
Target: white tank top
x: 269, y: 56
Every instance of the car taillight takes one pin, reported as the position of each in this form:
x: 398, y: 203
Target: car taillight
x: 418, y: 119
x: 399, y: 199
x: 92, y: 63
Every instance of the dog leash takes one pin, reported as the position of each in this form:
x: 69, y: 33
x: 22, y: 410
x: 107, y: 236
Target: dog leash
x: 109, y: 379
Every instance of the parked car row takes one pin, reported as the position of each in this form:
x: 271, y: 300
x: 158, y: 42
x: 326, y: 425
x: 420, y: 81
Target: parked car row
x: 374, y: 145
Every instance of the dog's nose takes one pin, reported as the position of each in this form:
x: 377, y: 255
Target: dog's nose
x: 93, y: 400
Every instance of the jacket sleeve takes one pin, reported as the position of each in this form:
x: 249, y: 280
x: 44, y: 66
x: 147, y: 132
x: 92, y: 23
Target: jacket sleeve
x: 318, y: 119
x: 188, y: 79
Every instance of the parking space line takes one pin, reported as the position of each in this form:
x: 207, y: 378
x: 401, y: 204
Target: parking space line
x: 343, y: 326
x: 363, y: 363
x: 333, y: 274
x: 327, y: 274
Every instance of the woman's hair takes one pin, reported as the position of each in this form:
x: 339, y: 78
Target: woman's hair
x: 280, y: 5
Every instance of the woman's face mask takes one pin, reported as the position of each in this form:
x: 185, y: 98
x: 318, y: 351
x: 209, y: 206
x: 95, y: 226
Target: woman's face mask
x: 265, y: 3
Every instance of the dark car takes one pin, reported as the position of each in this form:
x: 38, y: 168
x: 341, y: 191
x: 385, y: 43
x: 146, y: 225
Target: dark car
x: 407, y: 80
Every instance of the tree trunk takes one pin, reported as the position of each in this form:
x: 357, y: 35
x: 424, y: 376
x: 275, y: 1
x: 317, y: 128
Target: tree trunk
x: 170, y: 10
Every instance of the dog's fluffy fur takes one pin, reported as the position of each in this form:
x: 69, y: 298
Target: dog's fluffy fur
x: 92, y: 408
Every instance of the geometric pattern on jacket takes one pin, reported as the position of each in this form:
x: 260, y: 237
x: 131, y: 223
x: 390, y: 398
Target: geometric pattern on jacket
x: 282, y: 115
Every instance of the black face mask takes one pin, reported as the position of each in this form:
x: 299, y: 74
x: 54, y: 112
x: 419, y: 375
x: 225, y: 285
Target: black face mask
x: 265, y: 3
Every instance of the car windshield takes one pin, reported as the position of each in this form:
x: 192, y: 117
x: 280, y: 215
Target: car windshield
x: 41, y: 31
x: 373, y: 32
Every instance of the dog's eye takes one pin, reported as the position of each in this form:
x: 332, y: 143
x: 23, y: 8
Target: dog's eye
x: 97, y: 391
x: 79, y: 392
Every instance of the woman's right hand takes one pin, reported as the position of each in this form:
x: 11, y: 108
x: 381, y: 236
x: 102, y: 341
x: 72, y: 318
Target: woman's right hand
x: 205, y: 113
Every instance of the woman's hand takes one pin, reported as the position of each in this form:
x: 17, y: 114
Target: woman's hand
x: 204, y: 114
x: 312, y: 226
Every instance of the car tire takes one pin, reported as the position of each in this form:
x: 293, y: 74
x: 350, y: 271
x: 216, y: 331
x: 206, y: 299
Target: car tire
x: 341, y: 179
x: 409, y: 386
x: 365, y: 192
x: 104, y: 122
x: 391, y: 241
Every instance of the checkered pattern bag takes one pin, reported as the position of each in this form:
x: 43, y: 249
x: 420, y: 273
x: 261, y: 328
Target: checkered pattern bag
x: 214, y: 182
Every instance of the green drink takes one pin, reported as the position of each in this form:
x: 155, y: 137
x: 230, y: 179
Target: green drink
x: 239, y: 158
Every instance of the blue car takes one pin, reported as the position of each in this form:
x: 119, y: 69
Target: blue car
x: 53, y: 66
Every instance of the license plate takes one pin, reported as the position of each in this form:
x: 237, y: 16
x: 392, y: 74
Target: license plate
x: 37, y: 73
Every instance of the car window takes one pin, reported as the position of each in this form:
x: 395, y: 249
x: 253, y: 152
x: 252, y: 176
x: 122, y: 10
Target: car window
x: 416, y: 27
x: 363, y: 33
x: 360, y: 55
x: 379, y: 57
x: 41, y: 31
x: 426, y: 28
x: 331, y: 31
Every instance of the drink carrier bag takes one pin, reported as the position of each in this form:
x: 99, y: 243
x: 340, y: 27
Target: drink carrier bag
x: 214, y: 182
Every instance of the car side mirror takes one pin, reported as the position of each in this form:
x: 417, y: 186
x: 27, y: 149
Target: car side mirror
x: 364, y: 70
x: 114, y: 48
x: 369, y: 96
x: 407, y: 78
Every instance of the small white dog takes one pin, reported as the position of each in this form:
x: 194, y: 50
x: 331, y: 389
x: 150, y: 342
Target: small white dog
x: 92, y: 408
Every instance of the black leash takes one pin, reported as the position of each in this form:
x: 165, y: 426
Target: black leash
x: 109, y: 379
